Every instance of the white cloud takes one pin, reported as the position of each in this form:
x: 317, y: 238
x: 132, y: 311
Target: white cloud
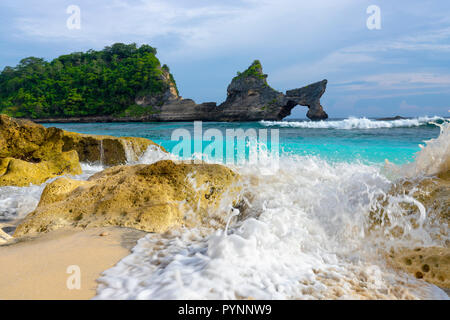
x: 195, y: 27
x: 405, y: 106
x: 435, y: 40
x: 397, y: 81
x: 322, y: 68
x: 376, y: 52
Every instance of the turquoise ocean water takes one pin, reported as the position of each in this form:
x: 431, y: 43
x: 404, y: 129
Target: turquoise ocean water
x: 335, y: 140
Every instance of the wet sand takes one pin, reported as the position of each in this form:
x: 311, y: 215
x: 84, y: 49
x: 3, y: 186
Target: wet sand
x: 36, y: 267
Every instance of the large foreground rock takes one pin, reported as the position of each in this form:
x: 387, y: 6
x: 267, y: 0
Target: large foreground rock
x: 31, y: 153
x: 153, y: 198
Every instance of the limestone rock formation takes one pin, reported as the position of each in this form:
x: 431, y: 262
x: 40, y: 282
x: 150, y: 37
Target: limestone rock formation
x: 307, y: 96
x: 16, y: 172
x: 31, y: 153
x: 249, y: 98
x: 432, y: 192
x: 169, y: 94
x: 153, y: 198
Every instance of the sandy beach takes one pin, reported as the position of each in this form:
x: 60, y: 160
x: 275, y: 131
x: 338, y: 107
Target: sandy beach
x: 36, y: 267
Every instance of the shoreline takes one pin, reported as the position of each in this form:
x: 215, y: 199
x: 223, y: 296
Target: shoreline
x: 112, y: 119
x: 35, y: 268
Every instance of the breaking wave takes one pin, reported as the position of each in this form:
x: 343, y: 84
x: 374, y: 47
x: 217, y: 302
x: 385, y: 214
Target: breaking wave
x: 434, y: 158
x: 354, y: 123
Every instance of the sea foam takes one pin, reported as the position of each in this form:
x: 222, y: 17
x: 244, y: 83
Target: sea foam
x: 353, y: 123
x: 434, y: 158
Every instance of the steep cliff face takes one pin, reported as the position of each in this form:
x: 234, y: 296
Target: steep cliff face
x: 168, y: 94
x: 249, y: 98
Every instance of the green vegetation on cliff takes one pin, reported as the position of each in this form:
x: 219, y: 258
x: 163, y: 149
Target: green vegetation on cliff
x: 92, y: 83
x: 255, y: 70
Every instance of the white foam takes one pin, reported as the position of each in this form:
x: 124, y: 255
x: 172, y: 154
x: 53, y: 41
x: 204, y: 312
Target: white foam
x: 353, y: 123
x: 304, y: 235
x: 17, y: 202
x: 154, y: 154
x: 434, y: 158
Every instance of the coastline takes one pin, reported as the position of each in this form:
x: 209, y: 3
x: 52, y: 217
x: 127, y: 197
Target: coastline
x: 34, y: 268
x: 112, y: 119
x: 93, y: 119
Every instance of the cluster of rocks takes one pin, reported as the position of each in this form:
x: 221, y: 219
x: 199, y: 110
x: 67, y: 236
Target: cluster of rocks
x: 153, y: 198
x: 249, y: 98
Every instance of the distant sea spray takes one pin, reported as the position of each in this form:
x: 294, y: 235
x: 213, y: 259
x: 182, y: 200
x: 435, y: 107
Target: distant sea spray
x: 354, y: 123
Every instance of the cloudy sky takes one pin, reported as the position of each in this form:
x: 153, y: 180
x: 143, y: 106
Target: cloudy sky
x: 401, y: 69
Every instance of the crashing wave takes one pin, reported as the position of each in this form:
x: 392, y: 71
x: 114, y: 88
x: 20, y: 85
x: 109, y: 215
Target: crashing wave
x: 306, y: 231
x: 353, y: 123
x: 434, y: 158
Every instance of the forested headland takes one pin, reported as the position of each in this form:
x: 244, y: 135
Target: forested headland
x: 91, y: 83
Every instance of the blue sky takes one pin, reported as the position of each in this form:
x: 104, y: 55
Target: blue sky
x: 401, y: 69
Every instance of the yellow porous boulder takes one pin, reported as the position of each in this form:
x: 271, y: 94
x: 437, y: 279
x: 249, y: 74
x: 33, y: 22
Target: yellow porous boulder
x: 153, y: 198
x: 22, y: 173
x: 31, y: 153
x: 431, y: 264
